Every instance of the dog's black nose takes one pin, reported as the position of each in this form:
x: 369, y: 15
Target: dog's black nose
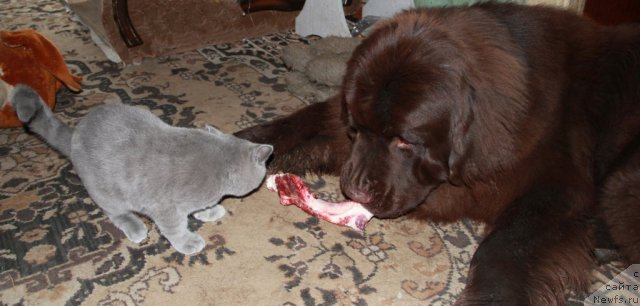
x: 357, y: 195
x: 356, y: 185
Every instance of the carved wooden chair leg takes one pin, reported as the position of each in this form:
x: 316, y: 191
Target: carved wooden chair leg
x: 123, y: 21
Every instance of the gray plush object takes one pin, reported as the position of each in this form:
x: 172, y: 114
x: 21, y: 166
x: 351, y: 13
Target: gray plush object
x: 317, y: 69
x: 132, y: 162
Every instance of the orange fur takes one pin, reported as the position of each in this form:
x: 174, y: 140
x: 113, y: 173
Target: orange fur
x: 27, y: 57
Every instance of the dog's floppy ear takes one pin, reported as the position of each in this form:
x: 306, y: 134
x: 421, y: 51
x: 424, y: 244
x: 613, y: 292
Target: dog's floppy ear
x: 461, y: 119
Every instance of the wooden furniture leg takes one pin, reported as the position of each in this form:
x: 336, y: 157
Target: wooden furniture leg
x: 123, y: 21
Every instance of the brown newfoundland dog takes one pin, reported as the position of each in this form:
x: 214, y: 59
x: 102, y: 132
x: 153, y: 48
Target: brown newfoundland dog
x: 524, y: 118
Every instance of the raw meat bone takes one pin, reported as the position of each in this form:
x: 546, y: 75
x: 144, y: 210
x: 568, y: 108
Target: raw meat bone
x: 292, y: 190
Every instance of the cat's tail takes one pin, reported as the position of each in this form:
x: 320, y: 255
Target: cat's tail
x: 38, y: 117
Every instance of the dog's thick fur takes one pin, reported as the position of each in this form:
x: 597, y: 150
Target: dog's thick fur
x: 525, y: 118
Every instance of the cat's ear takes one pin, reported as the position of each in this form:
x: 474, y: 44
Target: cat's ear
x: 212, y: 130
x: 262, y: 152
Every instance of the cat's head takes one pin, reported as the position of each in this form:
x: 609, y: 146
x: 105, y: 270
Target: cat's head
x: 245, y: 162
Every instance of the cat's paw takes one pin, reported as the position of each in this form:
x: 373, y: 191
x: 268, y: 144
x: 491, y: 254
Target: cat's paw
x: 137, y: 236
x: 211, y: 214
x: 131, y: 226
x: 188, y: 244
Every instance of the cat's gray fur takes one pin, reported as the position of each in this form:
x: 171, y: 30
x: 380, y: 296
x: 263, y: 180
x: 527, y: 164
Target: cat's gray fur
x: 131, y: 161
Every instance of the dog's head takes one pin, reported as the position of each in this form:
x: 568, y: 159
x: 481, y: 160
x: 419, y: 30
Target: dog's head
x: 408, y: 98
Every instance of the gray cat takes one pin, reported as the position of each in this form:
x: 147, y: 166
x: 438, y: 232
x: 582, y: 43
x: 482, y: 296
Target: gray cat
x: 131, y: 161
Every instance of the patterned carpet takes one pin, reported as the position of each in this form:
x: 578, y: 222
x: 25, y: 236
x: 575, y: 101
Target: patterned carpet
x: 58, y: 248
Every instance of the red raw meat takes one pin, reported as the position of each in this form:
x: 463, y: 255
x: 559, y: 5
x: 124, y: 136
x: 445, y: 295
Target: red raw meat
x: 292, y: 190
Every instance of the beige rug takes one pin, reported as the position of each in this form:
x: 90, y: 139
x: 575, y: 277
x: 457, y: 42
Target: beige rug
x: 58, y: 248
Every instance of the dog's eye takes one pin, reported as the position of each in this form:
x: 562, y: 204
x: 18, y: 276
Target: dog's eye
x: 403, y: 144
x: 352, y: 133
